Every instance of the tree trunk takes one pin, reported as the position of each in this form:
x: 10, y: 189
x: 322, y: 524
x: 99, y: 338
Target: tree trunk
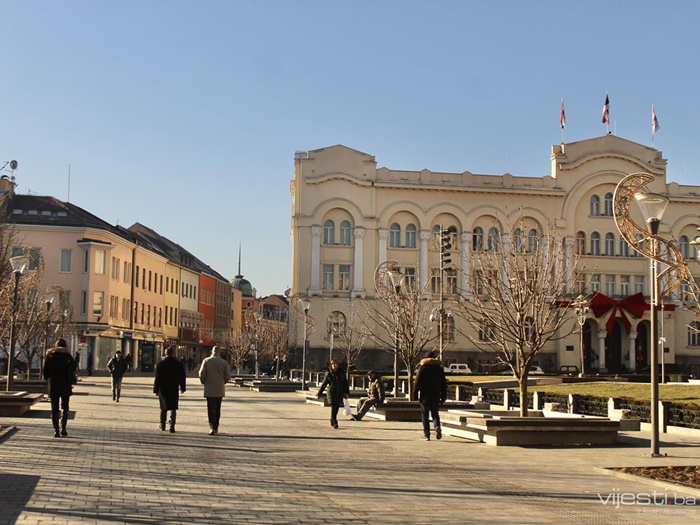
x: 523, y: 396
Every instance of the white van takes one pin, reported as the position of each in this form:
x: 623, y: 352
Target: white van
x: 458, y: 368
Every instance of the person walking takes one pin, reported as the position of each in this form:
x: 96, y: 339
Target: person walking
x: 375, y: 393
x: 90, y: 359
x: 338, y: 390
x: 59, y: 372
x: 117, y: 369
x: 430, y: 388
x: 169, y: 383
x: 214, y: 374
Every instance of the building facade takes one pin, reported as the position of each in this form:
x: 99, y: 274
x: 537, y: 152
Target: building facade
x: 349, y: 216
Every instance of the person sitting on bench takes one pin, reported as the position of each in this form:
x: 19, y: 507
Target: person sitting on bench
x: 376, y: 395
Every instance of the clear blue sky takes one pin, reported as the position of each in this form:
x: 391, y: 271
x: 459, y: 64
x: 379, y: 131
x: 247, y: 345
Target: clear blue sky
x: 185, y: 115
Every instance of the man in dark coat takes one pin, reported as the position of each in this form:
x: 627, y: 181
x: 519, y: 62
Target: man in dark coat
x: 170, y: 381
x: 59, y: 371
x: 338, y: 390
x: 117, y: 369
x: 430, y: 389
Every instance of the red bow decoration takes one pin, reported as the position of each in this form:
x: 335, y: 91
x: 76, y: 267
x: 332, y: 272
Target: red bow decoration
x: 634, y: 304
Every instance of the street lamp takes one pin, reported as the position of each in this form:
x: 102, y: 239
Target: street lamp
x: 19, y: 266
x: 306, y: 305
x: 49, y: 298
x: 258, y: 318
x: 653, y: 206
x: 396, y: 278
x: 580, y: 305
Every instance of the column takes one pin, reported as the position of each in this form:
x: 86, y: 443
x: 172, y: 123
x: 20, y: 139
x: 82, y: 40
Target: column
x: 315, y: 270
x: 423, y: 264
x: 569, y: 249
x: 602, y: 334
x: 631, y: 363
x: 465, y: 244
x: 358, y: 270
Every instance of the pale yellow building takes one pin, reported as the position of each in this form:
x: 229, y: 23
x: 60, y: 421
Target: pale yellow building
x: 349, y: 215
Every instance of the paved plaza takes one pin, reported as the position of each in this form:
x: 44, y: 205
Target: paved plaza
x: 277, y: 460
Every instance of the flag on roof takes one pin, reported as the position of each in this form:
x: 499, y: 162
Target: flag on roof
x: 654, y: 121
x: 606, y: 110
x: 562, y: 116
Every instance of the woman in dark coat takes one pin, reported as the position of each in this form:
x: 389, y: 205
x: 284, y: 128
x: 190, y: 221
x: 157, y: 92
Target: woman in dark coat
x: 59, y: 371
x: 170, y: 381
x: 338, y: 390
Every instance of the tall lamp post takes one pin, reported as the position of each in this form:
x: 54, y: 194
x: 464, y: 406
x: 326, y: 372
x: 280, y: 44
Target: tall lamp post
x: 653, y: 207
x: 396, y: 278
x: 580, y: 305
x: 19, y: 266
x: 306, y: 305
x: 258, y: 318
x: 49, y: 298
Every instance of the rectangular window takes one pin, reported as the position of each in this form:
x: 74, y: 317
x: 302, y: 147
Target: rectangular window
x: 143, y: 280
x: 136, y: 284
x: 150, y: 278
x: 410, y: 278
x: 344, y: 277
x: 639, y: 284
x: 451, y: 281
x: 100, y: 256
x: 434, y: 280
x: 167, y: 284
x: 83, y: 302
x: 610, y: 285
x: 86, y: 261
x: 595, y: 283
x: 66, y: 262
x: 127, y: 272
x: 328, y: 283
x: 97, y: 303
x: 624, y: 285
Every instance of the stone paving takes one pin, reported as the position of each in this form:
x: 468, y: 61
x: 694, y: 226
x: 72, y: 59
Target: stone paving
x: 277, y: 460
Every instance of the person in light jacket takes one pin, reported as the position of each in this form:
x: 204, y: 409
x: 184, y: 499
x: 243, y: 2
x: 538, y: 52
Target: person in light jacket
x: 214, y: 374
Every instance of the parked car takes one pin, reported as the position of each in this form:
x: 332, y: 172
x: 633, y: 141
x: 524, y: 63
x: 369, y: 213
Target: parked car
x: 19, y: 365
x: 534, y: 370
x: 570, y: 370
x: 458, y: 368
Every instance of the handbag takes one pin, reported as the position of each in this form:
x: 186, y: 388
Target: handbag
x: 346, y: 408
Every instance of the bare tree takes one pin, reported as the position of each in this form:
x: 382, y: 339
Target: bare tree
x: 518, y: 301
x: 402, y: 319
x: 239, y: 349
x: 350, y: 335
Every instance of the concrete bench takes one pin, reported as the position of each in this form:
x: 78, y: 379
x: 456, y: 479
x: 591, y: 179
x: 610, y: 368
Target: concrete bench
x: 270, y: 385
x: 13, y: 404
x: 495, y: 428
x: 404, y: 410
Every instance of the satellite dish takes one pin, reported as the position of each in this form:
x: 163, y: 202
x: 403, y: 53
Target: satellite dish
x: 13, y: 164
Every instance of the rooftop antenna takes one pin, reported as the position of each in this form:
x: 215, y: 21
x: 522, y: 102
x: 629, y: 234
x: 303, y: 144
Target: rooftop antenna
x: 239, y: 260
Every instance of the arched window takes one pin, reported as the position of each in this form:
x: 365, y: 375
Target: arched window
x: 329, y: 232
x: 624, y: 247
x: 518, y: 240
x: 345, y: 233
x: 336, y: 323
x: 532, y: 241
x: 436, y: 237
x: 478, y: 239
x: 411, y: 236
x: 595, y: 243
x: 609, y: 204
x: 609, y: 245
x: 493, y: 240
x: 580, y: 243
x: 683, y: 245
x: 395, y: 236
x: 694, y: 334
x: 595, y: 205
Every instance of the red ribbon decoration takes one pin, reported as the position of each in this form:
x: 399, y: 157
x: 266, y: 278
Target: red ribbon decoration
x: 634, y: 304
